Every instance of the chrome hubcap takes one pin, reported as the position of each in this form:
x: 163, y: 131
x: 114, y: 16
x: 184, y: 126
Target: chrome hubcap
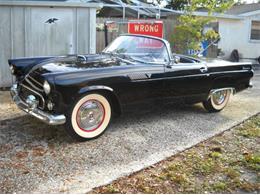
x: 219, y: 97
x: 90, y: 115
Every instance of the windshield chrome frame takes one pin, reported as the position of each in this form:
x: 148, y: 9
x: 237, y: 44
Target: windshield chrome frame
x: 166, y: 43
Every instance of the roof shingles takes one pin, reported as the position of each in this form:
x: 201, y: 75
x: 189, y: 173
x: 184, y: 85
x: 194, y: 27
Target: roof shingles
x: 244, y: 8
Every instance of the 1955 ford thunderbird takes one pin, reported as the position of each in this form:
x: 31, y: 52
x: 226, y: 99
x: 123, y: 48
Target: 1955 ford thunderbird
x: 84, y: 91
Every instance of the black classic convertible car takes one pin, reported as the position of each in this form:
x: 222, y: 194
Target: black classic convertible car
x: 83, y: 92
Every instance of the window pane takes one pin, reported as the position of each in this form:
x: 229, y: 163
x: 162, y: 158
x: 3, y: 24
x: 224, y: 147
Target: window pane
x: 139, y: 48
x: 255, y: 30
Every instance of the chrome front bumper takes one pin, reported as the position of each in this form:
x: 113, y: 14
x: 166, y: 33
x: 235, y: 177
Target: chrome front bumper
x: 250, y: 85
x: 43, y: 116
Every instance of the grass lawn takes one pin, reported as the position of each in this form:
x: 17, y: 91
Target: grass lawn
x: 226, y: 163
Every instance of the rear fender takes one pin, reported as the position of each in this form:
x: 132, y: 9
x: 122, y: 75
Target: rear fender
x: 223, y: 82
x: 238, y: 81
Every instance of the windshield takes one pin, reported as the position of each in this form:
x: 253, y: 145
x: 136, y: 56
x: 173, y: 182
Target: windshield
x: 142, y: 49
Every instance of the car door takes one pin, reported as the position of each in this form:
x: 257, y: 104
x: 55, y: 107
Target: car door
x: 186, y: 80
x: 142, y: 83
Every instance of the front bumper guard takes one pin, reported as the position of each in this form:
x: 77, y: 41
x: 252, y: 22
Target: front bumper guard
x: 43, y: 116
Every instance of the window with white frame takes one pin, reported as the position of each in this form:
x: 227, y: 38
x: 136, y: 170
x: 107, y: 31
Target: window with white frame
x: 255, y: 30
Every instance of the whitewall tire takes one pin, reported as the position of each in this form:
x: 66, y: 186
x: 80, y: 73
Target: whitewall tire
x: 217, y: 100
x: 89, y: 117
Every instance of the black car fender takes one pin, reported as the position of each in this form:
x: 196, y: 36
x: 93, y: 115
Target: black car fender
x: 108, y: 92
x: 223, y: 81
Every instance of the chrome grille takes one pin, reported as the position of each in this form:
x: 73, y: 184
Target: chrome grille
x: 33, y: 85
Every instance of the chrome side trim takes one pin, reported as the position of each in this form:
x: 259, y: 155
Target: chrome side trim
x: 99, y: 87
x: 43, y: 116
x: 175, y: 77
x: 230, y: 71
x: 197, y: 75
x: 94, y: 87
x: 43, y: 101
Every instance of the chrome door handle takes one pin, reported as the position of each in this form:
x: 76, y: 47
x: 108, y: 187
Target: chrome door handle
x: 203, y: 69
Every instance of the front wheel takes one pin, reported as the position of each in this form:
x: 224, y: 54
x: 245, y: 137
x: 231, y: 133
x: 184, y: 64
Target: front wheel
x: 217, y: 100
x: 89, y: 117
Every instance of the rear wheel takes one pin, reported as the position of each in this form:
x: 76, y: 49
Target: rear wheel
x: 89, y: 117
x: 217, y: 100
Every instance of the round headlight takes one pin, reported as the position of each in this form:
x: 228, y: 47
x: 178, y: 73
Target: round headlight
x: 12, y: 69
x: 46, y: 87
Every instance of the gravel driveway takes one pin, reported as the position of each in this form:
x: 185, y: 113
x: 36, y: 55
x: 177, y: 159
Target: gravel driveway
x: 37, y: 158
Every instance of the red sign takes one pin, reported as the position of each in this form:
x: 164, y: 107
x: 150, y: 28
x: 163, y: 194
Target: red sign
x: 146, y: 28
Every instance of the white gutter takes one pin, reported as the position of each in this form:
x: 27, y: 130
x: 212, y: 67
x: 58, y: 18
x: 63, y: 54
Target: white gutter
x: 218, y: 15
x: 50, y: 4
x: 250, y: 13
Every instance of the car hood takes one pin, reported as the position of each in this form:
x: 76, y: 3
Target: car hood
x: 79, y: 63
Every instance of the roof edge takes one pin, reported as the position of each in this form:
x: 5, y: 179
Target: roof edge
x: 219, y: 15
x: 250, y: 13
x: 50, y: 3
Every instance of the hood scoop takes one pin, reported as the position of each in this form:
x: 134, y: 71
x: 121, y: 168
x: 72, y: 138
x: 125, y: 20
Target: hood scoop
x: 86, y: 59
x: 82, y: 59
x: 95, y: 61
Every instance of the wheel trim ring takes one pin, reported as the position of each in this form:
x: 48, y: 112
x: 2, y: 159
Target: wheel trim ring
x: 101, y: 122
x: 219, y: 99
x: 221, y: 106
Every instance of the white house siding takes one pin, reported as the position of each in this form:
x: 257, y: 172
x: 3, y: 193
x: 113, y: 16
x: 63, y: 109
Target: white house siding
x: 235, y: 34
